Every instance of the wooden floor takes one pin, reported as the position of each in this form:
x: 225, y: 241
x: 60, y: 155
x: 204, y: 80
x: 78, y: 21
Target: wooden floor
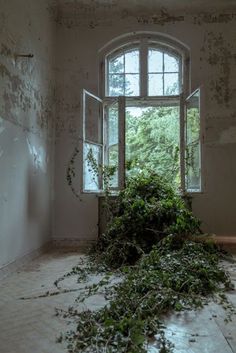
x: 29, y: 325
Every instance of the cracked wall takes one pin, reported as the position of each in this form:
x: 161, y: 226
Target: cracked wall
x: 83, y: 28
x: 27, y: 96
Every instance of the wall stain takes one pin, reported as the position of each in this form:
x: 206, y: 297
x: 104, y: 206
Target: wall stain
x: 208, y: 18
x: 19, y: 98
x: 218, y: 53
x: 160, y: 19
x: 106, y: 13
x: 67, y: 118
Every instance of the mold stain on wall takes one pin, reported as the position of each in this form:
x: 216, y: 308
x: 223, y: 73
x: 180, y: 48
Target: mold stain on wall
x: 162, y: 18
x: 19, y: 97
x: 211, y: 18
x: 219, y: 54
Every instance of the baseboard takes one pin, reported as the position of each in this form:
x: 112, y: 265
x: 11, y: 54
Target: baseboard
x: 14, y: 266
x: 226, y: 242
x: 73, y: 244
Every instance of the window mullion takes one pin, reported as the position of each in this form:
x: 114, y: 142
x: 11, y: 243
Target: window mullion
x: 182, y: 142
x: 144, y: 68
x: 105, y: 134
x: 121, y: 158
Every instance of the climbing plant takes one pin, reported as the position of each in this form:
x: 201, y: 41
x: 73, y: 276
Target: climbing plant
x: 164, y: 263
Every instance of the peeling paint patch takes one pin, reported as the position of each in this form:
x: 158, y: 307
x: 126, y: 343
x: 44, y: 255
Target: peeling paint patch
x: 207, y: 17
x: 218, y: 53
x: 21, y: 97
x: 161, y: 18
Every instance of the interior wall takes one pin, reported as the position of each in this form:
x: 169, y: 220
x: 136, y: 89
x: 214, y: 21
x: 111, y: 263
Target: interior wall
x: 82, y: 30
x: 26, y: 126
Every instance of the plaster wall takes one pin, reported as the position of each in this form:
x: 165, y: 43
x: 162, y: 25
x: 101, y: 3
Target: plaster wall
x: 26, y: 126
x: 83, y: 28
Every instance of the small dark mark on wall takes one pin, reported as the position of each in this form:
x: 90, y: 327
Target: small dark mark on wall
x: 207, y: 17
x: 160, y: 19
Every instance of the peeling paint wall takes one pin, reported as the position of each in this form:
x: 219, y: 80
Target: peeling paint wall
x: 27, y: 98
x: 83, y: 27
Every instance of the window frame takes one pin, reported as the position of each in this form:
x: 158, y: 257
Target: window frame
x: 144, y: 42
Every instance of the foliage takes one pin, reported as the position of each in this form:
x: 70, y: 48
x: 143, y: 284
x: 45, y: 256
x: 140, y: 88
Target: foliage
x: 152, y: 142
x: 177, y: 274
x: 147, y: 210
x: 174, y: 268
x: 70, y: 172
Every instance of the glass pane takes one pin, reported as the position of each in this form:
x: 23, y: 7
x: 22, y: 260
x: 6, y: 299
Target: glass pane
x: 113, y: 138
x: 193, y: 171
x: 171, y: 83
x: 92, y: 165
x: 192, y: 156
x: 152, y: 141
x: 155, y: 84
x: 93, y: 119
x: 116, y: 65
x: 116, y: 85
x: 171, y: 64
x: 155, y: 61
x: 132, y: 85
x: 132, y: 62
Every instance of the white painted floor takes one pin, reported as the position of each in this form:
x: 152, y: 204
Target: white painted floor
x: 29, y: 325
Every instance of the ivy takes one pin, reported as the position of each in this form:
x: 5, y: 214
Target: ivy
x: 178, y: 274
x: 164, y: 263
x: 70, y: 172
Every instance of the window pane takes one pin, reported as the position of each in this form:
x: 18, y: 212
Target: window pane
x: 152, y: 141
x: 132, y: 85
x: 171, y: 82
x: 116, y: 85
x: 171, y: 64
x: 192, y: 157
x: 112, y: 149
x: 92, y: 155
x: 155, y: 84
x: 193, y: 173
x: 93, y: 119
x: 155, y: 61
x: 132, y: 62
x: 116, y: 65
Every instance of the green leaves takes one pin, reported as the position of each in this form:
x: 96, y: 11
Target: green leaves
x: 147, y: 210
x: 178, y: 274
x: 173, y: 269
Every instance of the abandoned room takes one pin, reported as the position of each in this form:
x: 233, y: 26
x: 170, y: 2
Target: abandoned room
x: 117, y: 176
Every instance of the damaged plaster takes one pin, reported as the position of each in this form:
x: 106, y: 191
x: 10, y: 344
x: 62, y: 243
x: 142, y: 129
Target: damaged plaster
x: 27, y: 96
x: 220, y: 55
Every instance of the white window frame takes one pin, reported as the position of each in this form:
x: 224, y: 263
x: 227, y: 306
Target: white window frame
x: 144, y: 42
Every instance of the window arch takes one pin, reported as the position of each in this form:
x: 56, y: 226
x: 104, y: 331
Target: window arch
x: 143, y: 69
x: 148, y: 121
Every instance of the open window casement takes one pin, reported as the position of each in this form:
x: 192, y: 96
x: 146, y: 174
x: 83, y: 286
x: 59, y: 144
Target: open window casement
x: 193, y: 137
x: 103, y: 142
x: 114, y: 140
x: 170, y: 142
x: 92, y: 142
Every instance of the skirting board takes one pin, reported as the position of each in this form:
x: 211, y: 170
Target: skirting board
x: 73, y: 244
x: 226, y: 242
x: 22, y: 261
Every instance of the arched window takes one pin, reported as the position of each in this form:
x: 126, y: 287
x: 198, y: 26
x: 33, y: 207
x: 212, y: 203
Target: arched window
x: 128, y: 75
x: 143, y: 119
